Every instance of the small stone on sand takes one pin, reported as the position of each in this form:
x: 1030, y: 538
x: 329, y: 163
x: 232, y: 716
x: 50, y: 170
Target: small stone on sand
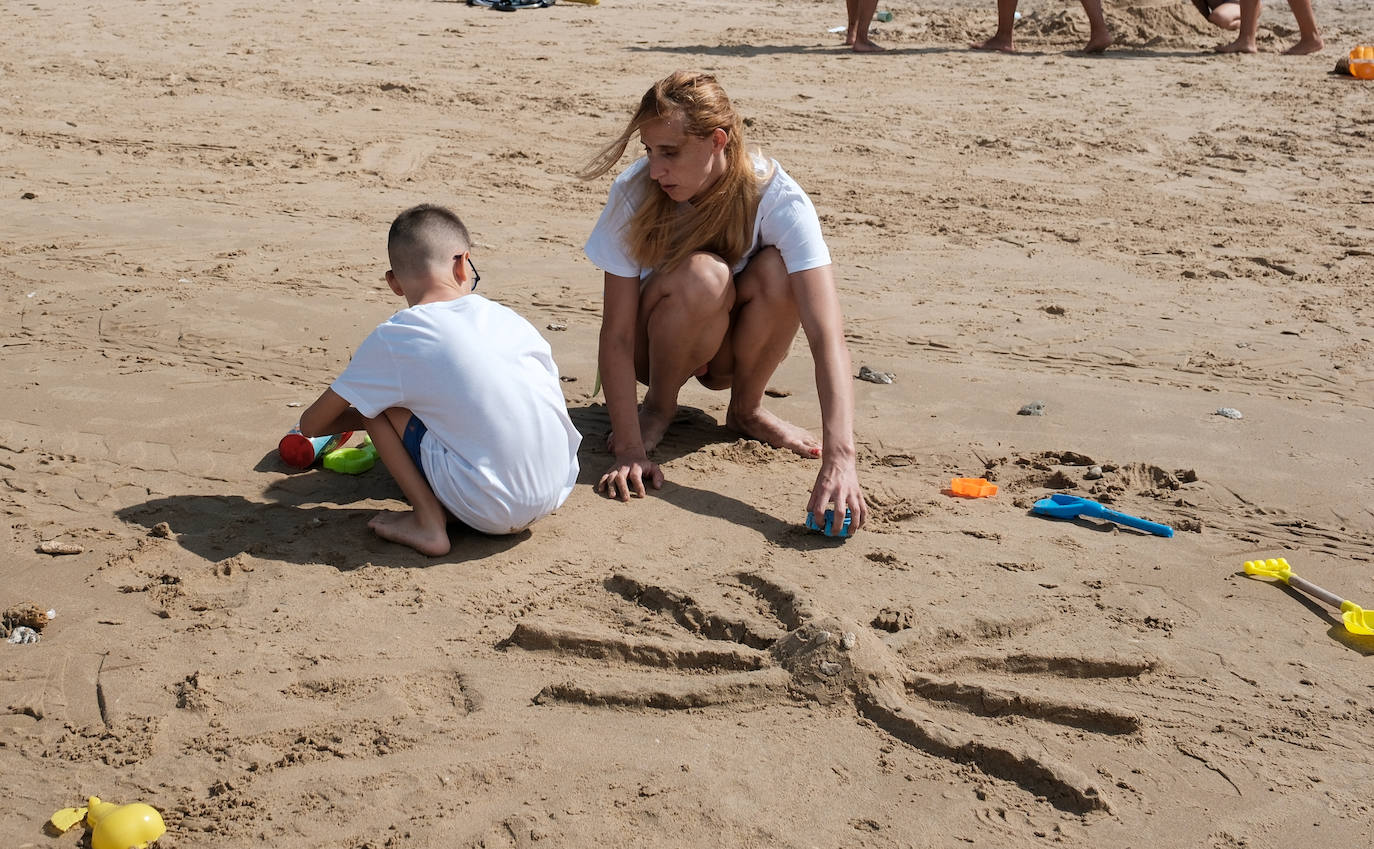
x: 54, y: 547
x: 868, y: 374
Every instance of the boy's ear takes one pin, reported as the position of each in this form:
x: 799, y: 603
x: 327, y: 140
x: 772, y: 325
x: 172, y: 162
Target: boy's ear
x: 394, y: 283
x: 460, y: 271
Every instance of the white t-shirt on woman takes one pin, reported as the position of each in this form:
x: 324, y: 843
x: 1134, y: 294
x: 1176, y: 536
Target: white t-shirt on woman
x: 786, y: 220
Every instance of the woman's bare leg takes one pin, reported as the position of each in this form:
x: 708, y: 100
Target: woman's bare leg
x: 763, y: 325
x: 683, y: 317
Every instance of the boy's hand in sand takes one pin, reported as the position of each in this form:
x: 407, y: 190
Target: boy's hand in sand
x: 627, y: 475
x: 838, y: 483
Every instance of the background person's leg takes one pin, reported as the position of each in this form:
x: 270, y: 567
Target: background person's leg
x: 1006, y: 19
x: 1099, y: 37
x: 1309, y: 40
x: 1249, y: 26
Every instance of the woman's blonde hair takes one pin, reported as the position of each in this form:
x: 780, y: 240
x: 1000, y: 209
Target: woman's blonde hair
x: 721, y: 220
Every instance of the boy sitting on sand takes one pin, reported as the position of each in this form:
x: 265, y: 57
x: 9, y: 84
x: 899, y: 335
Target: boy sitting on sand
x: 459, y: 394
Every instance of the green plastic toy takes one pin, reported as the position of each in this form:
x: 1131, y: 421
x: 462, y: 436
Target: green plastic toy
x: 352, y: 461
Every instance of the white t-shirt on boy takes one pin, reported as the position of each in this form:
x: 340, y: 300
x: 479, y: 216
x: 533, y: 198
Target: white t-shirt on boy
x: 500, y: 451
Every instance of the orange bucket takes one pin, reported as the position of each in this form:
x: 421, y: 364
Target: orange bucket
x: 1362, y: 61
x: 972, y: 487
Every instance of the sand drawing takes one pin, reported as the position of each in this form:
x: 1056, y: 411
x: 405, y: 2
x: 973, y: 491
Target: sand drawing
x: 808, y: 655
x: 196, y: 202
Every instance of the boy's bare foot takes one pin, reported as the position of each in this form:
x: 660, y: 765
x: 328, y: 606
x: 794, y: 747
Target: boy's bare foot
x: 1001, y: 45
x: 1238, y: 46
x: 405, y: 529
x: 766, y: 427
x: 1306, y: 46
x: 1098, y: 44
x: 867, y: 47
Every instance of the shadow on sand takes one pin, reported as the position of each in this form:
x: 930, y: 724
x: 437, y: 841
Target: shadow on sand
x: 308, y: 516
x: 693, y: 430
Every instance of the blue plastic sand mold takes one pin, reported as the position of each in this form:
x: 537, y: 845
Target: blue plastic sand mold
x: 1064, y: 506
x: 828, y: 529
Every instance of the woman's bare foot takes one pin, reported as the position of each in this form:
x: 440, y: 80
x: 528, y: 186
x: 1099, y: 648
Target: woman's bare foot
x: 1306, y: 46
x: 1238, y: 46
x: 866, y: 46
x: 766, y: 427
x: 405, y: 528
x: 652, y: 427
x: 997, y: 42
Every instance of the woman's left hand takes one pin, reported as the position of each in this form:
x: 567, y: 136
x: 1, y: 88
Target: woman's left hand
x: 837, y: 483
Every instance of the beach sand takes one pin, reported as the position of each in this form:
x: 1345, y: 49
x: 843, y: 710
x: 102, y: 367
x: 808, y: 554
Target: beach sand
x: 195, y: 198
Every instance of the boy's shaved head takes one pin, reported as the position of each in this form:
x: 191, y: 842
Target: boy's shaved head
x: 425, y: 237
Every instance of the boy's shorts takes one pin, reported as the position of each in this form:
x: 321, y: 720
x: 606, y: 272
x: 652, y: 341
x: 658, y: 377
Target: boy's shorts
x: 414, y: 433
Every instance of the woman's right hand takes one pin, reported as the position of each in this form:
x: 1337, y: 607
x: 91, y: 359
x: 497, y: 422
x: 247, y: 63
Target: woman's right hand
x: 627, y: 476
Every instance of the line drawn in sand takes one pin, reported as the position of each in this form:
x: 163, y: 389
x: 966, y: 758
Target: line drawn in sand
x: 807, y: 655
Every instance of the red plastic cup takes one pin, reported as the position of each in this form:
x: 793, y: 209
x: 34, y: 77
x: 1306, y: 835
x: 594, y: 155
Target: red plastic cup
x: 300, y: 451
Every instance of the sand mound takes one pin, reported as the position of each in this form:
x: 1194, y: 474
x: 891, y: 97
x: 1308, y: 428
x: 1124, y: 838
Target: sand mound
x: 1171, y: 25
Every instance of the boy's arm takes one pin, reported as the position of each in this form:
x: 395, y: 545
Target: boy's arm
x: 330, y: 414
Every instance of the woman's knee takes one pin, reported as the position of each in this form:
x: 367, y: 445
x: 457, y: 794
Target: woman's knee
x: 702, y: 283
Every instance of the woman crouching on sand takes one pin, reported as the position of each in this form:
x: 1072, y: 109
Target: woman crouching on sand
x: 713, y: 258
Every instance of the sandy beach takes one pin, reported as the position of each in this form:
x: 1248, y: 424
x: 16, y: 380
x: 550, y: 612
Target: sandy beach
x: 195, y: 199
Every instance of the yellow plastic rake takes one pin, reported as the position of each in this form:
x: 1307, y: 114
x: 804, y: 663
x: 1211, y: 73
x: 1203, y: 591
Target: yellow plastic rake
x: 1357, y: 620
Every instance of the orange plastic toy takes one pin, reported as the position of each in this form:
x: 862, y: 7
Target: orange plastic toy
x: 1362, y: 61
x: 972, y: 487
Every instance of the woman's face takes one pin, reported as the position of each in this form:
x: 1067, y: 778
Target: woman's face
x: 682, y: 165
